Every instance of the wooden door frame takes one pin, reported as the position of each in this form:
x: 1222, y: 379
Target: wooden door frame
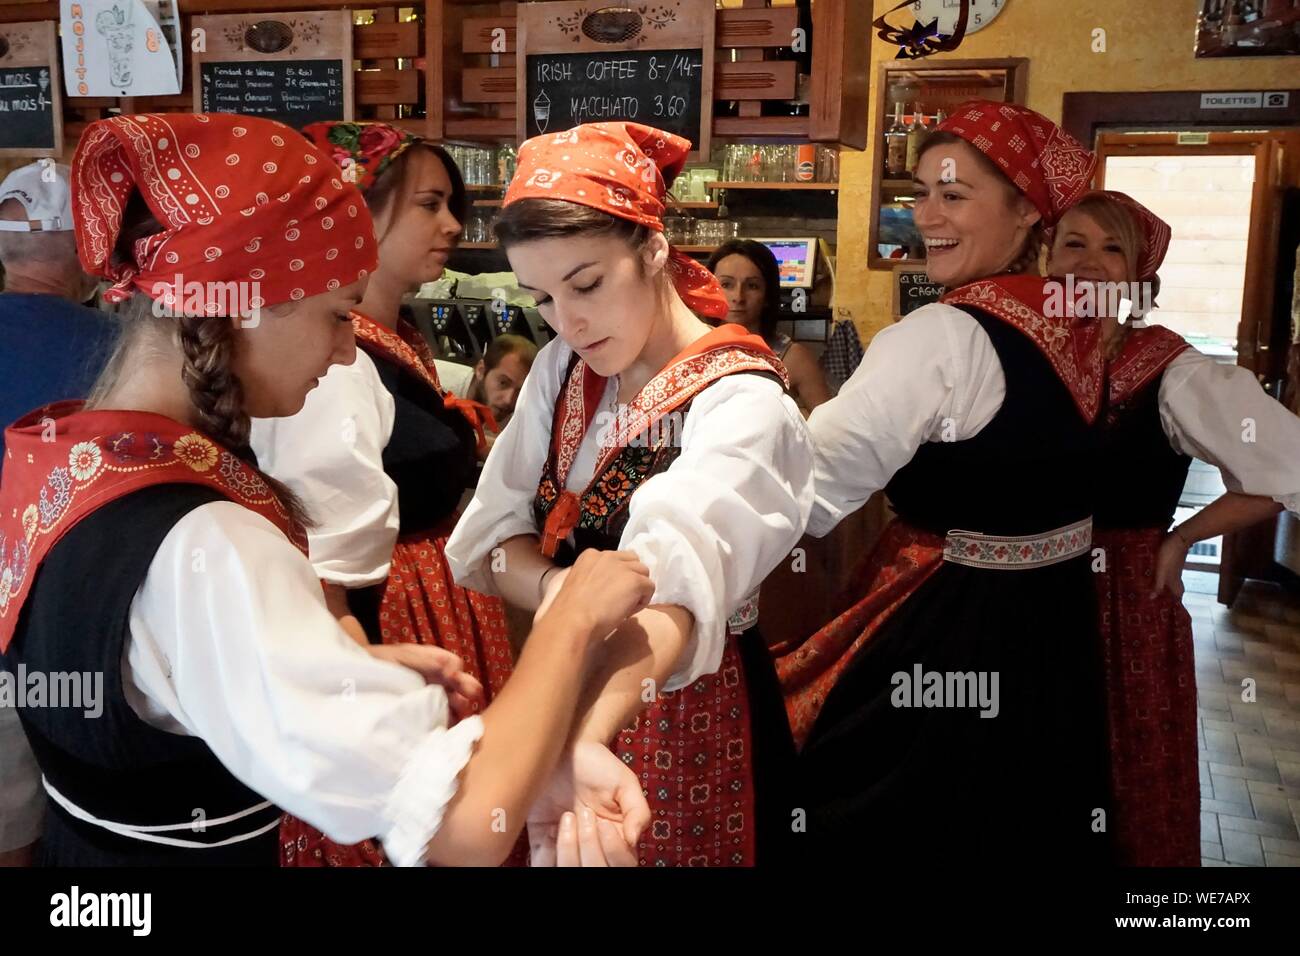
x: 1253, y: 349
x: 1084, y: 115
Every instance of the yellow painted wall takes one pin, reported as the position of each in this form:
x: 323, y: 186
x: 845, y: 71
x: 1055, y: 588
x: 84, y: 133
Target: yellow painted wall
x: 1149, y: 46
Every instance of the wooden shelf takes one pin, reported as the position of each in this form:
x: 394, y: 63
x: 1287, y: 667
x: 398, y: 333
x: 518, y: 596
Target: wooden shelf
x: 695, y: 248
x: 822, y: 186
x: 478, y: 245
x: 488, y: 202
x: 483, y: 187
x: 897, y: 184
x: 792, y: 128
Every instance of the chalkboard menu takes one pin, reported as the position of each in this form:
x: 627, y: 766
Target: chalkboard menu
x: 660, y: 88
x: 294, y: 92
x: 586, y: 63
x: 27, y: 104
x: 913, y: 289
x: 31, y: 114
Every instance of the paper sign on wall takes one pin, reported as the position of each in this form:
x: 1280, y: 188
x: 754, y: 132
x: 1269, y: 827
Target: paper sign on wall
x: 121, y: 47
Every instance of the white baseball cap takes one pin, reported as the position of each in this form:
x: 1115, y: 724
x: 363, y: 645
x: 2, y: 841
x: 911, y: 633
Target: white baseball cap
x: 43, y: 189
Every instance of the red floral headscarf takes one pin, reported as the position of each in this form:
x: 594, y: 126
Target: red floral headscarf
x: 1156, y: 234
x: 240, y: 198
x: 1043, y: 161
x: 622, y: 169
x: 362, y: 150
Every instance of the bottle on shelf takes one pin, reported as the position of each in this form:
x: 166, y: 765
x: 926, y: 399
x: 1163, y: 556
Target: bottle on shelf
x: 896, y: 145
x: 915, y: 136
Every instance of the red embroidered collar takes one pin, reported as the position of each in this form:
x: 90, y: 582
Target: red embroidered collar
x: 62, y: 464
x: 406, y: 348
x: 722, y: 351
x: 1144, y: 355
x: 1071, y: 344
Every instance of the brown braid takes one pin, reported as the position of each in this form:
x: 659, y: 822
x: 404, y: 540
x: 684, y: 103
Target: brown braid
x: 208, y: 344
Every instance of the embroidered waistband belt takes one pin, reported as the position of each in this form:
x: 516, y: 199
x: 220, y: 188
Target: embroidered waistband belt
x: 1014, y: 553
x: 150, y: 834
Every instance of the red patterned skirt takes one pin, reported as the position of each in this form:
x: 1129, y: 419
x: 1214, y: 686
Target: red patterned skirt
x: 902, y: 560
x: 1151, y: 705
x: 421, y: 604
x: 713, y: 759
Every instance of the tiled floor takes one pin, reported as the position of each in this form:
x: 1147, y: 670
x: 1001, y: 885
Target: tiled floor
x: 1250, y: 751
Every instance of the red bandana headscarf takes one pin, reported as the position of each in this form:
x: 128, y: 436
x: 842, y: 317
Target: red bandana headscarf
x: 240, y: 199
x: 1045, y: 163
x: 1156, y: 233
x: 623, y: 169
x: 366, y: 148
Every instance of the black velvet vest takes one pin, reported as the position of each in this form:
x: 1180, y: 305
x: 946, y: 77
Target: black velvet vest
x: 1142, y: 477
x: 429, y: 456
x: 115, y: 766
x: 1030, y: 470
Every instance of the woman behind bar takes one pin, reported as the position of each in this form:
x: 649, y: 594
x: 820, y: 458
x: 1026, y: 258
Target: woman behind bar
x: 1167, y: 403
x: 955, y: 713
x: 643, y: 427
x: 139, y: 542
x: 380, y: 454
x: 751, y: 279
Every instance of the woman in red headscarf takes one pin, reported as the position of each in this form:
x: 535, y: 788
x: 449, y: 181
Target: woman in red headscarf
x: 645, y: 428
x: 955, y: 712
x: 381, y: 453
x: 1166, y: 404
x: 139, y: 543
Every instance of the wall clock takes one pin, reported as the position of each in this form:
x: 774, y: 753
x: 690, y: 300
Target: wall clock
x: 982, y: 13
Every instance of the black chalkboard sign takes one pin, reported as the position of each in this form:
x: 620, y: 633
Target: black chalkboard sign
x: 913, y: 289
x: 660, y: 88
x: 294, y: 92
x: 27, y: 105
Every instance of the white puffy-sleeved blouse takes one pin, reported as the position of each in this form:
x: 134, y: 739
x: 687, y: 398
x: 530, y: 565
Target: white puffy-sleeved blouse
x: 247, y: 657
x: 937, y: 370
x: 710, y: 528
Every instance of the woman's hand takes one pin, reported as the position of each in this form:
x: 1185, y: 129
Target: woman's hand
x: 589, y: 780
x: 602, y: 589
x: 437, y: 666
x: 1169, y: 565
x: 585, y: 839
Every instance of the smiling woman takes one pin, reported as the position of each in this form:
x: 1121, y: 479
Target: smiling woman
x: 971, y: 413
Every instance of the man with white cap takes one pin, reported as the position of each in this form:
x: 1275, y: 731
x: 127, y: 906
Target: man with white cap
x: 53, y: 348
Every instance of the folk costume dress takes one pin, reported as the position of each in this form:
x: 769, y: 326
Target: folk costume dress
x: 1167, y: 403
x: 706, y: 475
x: 381, y: 455
x: 955, y: 713
x: 134, y: 546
